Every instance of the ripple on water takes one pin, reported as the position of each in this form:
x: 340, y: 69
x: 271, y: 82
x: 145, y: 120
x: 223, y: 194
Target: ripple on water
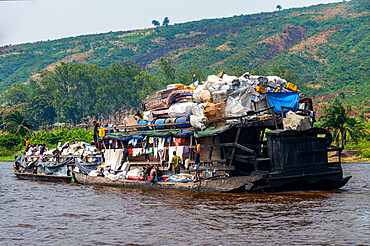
x: 40, y: 213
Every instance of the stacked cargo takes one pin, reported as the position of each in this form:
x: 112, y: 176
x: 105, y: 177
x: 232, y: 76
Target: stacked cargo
x: 218, y: 99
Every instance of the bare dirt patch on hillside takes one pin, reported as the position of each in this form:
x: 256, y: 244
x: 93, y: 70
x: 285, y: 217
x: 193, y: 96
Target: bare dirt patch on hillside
x: 280, y: 42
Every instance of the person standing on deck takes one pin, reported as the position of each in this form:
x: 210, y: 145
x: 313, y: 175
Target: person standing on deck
x: 27, y: 142
x: 196, y: 164
x: 28, y: 145
x: 126, y: 154
x: 176, y: 163
x: 96, y: 132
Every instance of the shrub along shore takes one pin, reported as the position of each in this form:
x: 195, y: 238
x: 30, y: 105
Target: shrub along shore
x: 11, y: 144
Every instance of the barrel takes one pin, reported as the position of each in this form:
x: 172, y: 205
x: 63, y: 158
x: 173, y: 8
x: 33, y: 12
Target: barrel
x: 143, y: 122
x: 182, y: 119
x: 159, y: 121
x: 170, y: 120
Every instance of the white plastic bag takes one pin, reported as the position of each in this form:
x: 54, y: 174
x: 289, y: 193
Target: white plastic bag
x: 196, y: 94
x: 148, y: 116
x: 197, y: 122
x: 198, y: 109
x: 180, y: 109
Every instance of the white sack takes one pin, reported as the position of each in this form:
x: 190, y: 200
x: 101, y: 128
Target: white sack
x: 180, y: 109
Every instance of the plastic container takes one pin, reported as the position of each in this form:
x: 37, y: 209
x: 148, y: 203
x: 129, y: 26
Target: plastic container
x: 182, y: 119
x: 101, y: 132
x: 143, y: 122
x: 260, y: 89
x: 189, y: 87
x: 291, y: 86
x: 179, y: 86
x: 159, y: 121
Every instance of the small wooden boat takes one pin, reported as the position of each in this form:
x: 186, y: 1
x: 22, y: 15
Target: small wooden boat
x: 43, y: 177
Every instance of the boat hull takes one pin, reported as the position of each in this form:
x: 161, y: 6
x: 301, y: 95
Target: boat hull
x: 43, y: 177
x: 216, y: 184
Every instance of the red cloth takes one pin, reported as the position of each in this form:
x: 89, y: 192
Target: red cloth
x: 130, y: 151
x: 177, y: 141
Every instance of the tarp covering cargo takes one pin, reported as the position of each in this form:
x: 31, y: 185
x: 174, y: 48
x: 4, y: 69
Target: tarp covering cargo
x: 211, y: 131
x: 283, y: 99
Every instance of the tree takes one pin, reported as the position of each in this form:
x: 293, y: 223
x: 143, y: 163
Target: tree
x: 167, y: 70
x: 156, y: 23
x: 337, y: 118
x: 17, y: 124
x: 282, y: 72
x: 279, y: 7
x: 41, y: 111
x: 166, y: 21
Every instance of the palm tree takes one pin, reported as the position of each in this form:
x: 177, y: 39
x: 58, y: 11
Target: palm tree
x: 279, y: 7
x: 337, y: 118
x: 16, y: 123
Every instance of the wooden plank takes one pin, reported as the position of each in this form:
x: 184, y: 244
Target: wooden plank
x: 238, y: 117
x: 211, y: 150
x: 271, y: 109
x: 140, y: 126
x: 234, y: 149
x: 239, y: 146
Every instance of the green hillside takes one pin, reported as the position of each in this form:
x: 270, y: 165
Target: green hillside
x: 326, y: 45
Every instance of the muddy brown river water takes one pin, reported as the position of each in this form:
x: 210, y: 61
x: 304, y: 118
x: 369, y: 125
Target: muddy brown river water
x: 44, y: 213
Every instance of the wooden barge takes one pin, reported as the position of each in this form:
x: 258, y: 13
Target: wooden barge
x: 246, y: 156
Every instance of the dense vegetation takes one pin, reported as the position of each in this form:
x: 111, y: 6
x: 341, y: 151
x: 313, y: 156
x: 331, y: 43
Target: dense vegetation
x: 74, y: 92
x: 327, y: 45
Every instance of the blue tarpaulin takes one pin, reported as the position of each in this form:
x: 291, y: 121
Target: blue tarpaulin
x: 282, y: 99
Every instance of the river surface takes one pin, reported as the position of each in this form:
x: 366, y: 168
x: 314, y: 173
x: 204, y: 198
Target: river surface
x: 45, y: 213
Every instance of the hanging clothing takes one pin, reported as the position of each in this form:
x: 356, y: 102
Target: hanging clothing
x: 179, y: 151
x: 177, y: 141
x: 150, y: 151
x: 155, y: 150
x: 113, y: 158
x: 161, y: 143
x: 136, y: 151
x: 162, y: 154
x: 186, y: 149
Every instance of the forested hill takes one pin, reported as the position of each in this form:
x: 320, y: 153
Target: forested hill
x: 326, y: 45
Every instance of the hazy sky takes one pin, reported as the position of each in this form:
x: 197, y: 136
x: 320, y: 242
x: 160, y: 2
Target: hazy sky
x: 34, y: 20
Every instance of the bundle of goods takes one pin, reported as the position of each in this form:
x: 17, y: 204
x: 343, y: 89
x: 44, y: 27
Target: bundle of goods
x: 219, y: 97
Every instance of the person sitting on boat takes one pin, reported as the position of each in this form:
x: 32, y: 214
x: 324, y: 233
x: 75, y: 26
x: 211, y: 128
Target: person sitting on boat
x: 42, y: 150
x: 196, y: 164
x: 56, y: 154
x: 328, y: 136
x: 153, y: 174
x: 138, y: 115
x: 176, y: 160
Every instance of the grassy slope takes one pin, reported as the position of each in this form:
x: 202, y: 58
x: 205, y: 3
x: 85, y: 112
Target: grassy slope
x: 327, y: 45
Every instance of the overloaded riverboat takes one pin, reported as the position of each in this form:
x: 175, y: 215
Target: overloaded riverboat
x: 252, y: 133
x: 56, y: 165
